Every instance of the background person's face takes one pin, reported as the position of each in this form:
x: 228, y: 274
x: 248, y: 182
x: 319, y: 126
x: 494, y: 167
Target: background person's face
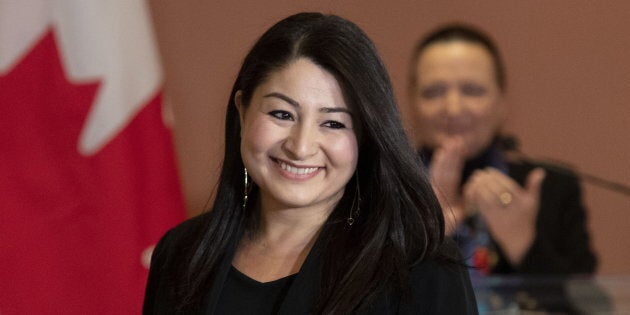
x: 456, y: 95
x: 298, y: 142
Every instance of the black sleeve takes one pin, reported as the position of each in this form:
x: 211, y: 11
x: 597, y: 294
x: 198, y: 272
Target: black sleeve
x: 562, y: 243
x: 169, y: 259
x: 440, y: 288
x: 156, y: 273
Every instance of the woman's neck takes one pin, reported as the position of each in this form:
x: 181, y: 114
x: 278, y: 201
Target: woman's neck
x: 280, y: 243
x: 290, y: 227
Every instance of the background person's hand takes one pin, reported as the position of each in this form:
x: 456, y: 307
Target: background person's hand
x: 446, y: 170
x: 508, y: 209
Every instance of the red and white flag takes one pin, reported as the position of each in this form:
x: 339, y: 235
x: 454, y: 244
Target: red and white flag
x: 88, y: 181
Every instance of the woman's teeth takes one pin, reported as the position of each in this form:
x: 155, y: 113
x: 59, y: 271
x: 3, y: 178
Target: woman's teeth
x: 297, y: 170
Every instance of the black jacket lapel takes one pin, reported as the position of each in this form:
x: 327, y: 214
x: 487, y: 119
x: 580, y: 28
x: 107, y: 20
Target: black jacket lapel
x: 217, y: 286
x: 305, y: 288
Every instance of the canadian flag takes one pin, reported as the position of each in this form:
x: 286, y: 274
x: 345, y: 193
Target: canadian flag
x: 88, y: 181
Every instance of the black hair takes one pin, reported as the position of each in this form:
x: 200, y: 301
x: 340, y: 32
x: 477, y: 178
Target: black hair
x: 460, y: 32
x: 400, y: 221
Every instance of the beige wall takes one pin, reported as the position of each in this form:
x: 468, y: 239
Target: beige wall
x: 568, y: 68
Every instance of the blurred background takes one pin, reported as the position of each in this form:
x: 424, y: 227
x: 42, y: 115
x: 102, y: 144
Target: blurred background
x: 568, y: 73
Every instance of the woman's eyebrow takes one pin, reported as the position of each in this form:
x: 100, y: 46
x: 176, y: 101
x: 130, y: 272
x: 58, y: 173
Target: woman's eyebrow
x: 283, y: 97
x: 335, y: 110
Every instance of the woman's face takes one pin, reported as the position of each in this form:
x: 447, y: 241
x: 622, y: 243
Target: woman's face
x: 457, y: 95
x: 298, y: 141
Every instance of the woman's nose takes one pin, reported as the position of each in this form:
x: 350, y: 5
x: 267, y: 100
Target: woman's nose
x: 453, y: 104
x: 301, y: 142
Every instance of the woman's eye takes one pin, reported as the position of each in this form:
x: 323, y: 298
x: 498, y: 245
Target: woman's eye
x: 433, y: 91
x: 280, y: 114
x: 473, y: 89
x: 334, y: 124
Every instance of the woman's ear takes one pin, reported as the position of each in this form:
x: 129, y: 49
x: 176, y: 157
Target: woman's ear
x: 238, y: 102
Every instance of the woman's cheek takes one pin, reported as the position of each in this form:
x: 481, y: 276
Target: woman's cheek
x: 343, y: 150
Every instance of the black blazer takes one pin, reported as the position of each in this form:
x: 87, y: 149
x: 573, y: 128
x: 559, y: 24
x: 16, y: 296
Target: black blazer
x: 561, y: 245
x: 437, y: 288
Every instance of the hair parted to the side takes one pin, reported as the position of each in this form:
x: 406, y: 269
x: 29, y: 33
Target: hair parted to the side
x: 459, y: 32
x: 401, y: 221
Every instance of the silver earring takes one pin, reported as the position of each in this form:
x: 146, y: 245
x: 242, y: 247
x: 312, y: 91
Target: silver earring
x: 357, y: 201
x: 246, y: 188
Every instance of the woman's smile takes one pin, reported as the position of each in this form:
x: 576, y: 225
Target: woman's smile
x: 296, y: 172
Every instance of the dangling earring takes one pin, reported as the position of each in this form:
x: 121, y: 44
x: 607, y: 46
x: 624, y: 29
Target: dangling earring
x: 356, y: 200
x: 246, y: 188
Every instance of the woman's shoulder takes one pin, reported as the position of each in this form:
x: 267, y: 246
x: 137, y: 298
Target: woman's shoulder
x: 440, y: 284
x: 167, y: 262
x: 445, y: 263
x: 192, y: 224
x: 181, y: 234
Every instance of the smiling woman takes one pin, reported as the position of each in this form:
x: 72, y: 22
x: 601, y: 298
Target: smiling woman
x: 298, y: 142
x: 323, y: 206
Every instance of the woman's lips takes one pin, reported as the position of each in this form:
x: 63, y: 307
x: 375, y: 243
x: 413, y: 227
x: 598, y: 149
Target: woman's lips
x: 293, y: 171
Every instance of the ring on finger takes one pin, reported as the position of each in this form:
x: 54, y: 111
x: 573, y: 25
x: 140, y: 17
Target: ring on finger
x: 505, y: 198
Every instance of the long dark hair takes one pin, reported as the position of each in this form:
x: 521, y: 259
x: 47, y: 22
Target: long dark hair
x: 400, y: 220
x: 459, y: 32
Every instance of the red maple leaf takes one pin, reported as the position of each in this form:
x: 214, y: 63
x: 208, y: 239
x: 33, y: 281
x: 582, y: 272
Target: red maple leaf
x: 72, y: 228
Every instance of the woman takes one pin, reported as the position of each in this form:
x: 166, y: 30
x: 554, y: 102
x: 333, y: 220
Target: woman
x: 322, y: 205
x: 508, y: 217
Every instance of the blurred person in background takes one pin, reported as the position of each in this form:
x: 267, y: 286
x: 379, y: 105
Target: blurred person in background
x: 508, y: 217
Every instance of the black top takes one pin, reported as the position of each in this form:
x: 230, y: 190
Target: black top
x: 436, y: 287
x: 244, y: 295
